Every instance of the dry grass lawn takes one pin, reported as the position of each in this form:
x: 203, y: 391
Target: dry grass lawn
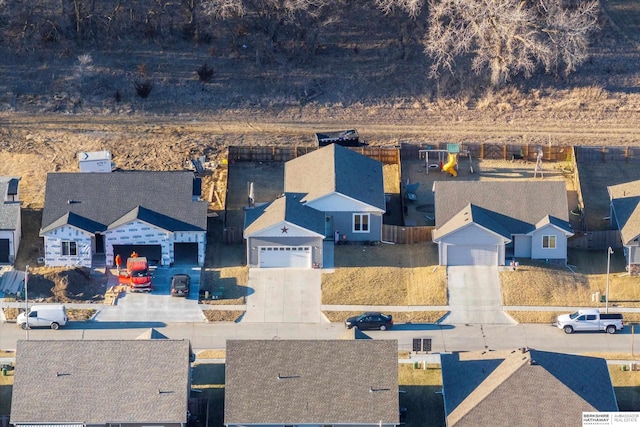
x: 222, y: 315
x: 538, y: 283
x: 626, y: 385
x: 391, y: 175
x: 394, y: 275
x: 234, y: 279
x: 398, y: 316
x: 424, y: 405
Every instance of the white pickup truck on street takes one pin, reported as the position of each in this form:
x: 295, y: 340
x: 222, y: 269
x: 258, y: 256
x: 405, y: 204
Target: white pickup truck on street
x: 590, y: 320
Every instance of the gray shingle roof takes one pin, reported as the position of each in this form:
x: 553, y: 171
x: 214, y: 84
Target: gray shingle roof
x: 287, y: 208
x: 96, y: 382
x: 322, y: 382
x: 471, y: 214
x: 516, y: 206
x: 9, y: 211
x: 625, y: 199
x: 531, y: 388
x: 161, y: 198
x: 336, y: 169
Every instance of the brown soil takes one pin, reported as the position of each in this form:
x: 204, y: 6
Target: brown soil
x: 65, y: 285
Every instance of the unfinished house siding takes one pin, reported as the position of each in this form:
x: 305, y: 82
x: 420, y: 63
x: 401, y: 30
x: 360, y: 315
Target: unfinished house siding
x: 139, y: 233
x: 53, y: 247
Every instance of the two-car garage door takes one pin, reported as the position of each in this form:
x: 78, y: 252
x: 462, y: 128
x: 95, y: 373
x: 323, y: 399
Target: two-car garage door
x: 472, y: 255
x: 284, y: 256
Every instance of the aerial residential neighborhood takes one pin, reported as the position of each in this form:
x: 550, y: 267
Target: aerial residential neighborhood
x: 420, y: 213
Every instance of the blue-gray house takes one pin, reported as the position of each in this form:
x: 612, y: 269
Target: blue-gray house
x: 330, y: 191
x: 491, y: 222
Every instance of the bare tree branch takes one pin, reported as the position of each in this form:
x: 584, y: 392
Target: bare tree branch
x: 509, y: 37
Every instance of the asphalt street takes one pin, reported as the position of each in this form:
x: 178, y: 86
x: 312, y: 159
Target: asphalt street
x: 445, y: 338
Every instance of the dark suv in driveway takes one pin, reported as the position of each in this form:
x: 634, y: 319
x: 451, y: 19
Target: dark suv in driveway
x: 370, y: 321
x: 180, y: 284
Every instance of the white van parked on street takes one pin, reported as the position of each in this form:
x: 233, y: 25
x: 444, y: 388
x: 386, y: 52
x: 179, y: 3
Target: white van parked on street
x: 43, y: 315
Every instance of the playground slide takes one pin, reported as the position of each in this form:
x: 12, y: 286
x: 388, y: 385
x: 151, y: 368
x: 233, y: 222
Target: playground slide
x: 451, y: 162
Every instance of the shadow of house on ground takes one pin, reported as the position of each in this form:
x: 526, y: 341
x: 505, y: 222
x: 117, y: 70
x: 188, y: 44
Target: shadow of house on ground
x: 208, y: 380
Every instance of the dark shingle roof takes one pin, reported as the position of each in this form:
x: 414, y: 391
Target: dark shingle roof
x: 161, y: 198
x: 517, y: 206
x: 95, y: 382
x: 336, y: 169
x: 322, y: 382
x: 287, y: 208
x: 625, y: 199
x: 530, y: 388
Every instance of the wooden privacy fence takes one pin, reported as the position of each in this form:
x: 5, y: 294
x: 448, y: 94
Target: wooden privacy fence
x: 495, y: 151
x: 596, y: 240
x: 607, y: 154
x: 406, y: 235
x: 385, y: 155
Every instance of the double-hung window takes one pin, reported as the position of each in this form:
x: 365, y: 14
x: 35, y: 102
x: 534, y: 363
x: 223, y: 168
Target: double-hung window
x: 549, y: 242
x: 360, y: 223
x: 69, y: 248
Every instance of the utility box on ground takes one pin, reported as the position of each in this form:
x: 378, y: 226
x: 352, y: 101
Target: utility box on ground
x: 95, y: 161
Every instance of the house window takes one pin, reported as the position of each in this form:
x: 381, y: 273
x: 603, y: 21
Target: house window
x: 549, y: 242
x: 70, y: 248
x: 360, y: 223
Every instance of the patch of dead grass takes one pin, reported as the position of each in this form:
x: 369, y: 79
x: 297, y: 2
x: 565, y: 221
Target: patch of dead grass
x: 535, y: 316
x: 211, y: 354
x: 385, y: 286
x: 391, y: 175
x: 11, y: 314
x: 546, y: 285
x: 234, y: 279
x: 398, y: 316
x: 394, y: 275
x: 222, y: 315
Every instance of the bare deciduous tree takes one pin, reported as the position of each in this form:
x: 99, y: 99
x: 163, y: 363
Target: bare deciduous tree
x: 412, y: 7
x: 510, y: 37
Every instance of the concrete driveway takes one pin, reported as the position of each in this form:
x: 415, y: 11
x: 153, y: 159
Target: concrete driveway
x: 474, y: 296
x: 283, y: 295
x: 158, y: 305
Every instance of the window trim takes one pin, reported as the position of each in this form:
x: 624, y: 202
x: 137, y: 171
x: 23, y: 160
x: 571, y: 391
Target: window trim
x: 361, y: 216
x: 69, y: 244
x: 549, y: 238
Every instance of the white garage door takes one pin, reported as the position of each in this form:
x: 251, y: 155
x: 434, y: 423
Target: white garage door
x: 472, y: 255
x: 285, y: 256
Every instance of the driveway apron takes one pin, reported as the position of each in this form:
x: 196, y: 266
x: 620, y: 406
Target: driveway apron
x: 283, y: 295
x: 474, y: 296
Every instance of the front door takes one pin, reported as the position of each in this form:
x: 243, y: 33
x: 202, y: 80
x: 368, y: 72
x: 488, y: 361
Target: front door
x: 99, y: 243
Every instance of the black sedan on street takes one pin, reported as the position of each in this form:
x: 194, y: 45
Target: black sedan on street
x: 370, y: 321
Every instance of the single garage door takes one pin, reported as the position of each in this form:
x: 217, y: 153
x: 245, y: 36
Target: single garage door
x: 152, y: 252
x: 4, y: 250
x: 185, y: 253
x: 284, y: 256
x: 472, y: 255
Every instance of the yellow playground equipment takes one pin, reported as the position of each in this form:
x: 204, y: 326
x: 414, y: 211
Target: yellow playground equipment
x: 452, y: 161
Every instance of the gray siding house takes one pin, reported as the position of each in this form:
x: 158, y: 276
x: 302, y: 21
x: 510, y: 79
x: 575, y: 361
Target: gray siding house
x: 490, y: 222
x: 311, y: 383
x: 346, y: 191
x: 10, y: 221
x: 625, y: 216
x: 523, y: 387
x: 77, y: 383
x: 89, y: 218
